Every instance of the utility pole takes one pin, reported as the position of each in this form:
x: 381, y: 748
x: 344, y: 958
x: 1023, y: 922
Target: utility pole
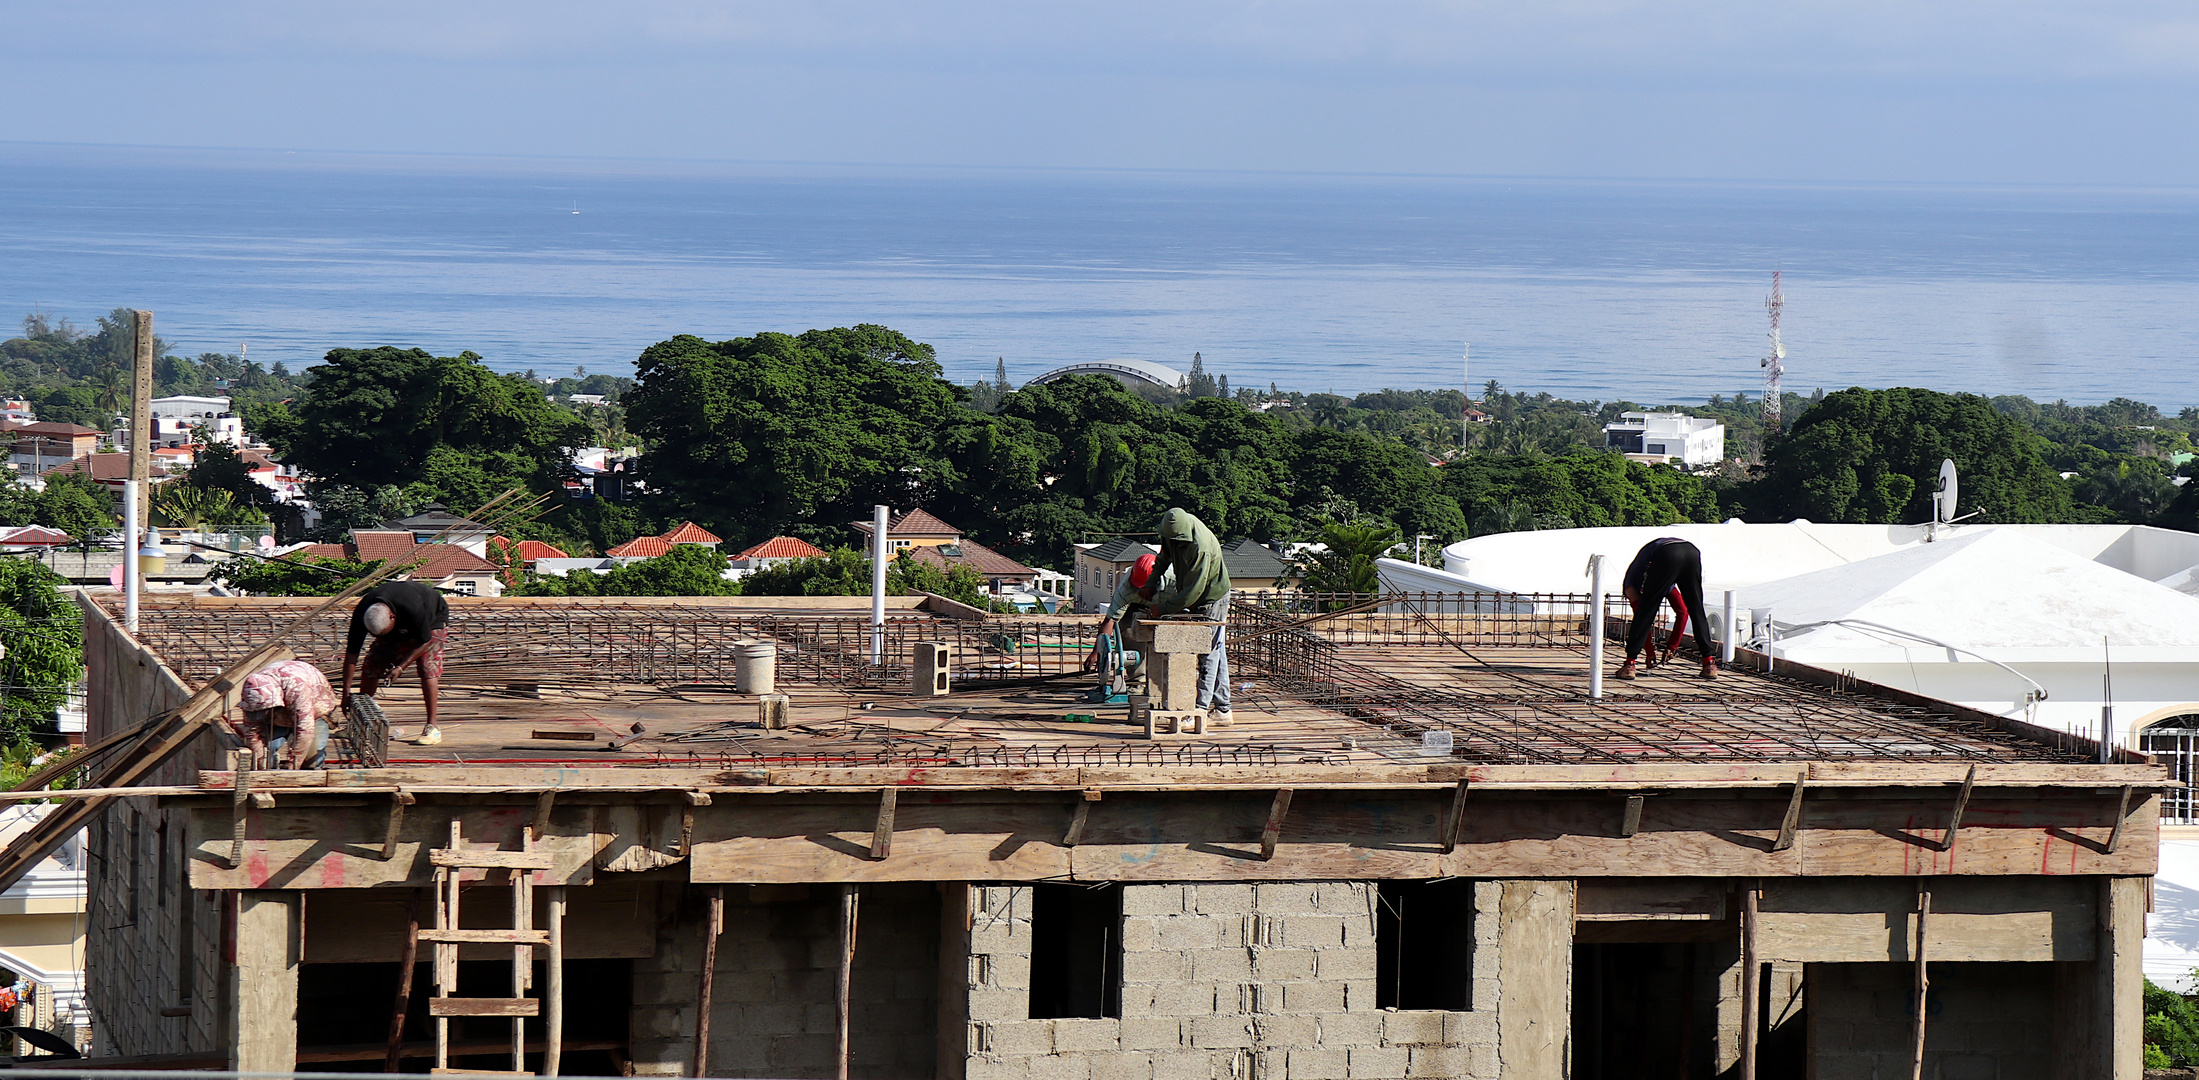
x: 1465, y: 396
x: 1774, y: 365
x: 141, y: 432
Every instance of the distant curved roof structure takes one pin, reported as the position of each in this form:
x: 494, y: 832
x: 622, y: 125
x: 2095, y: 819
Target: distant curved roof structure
x: 1131, y: 372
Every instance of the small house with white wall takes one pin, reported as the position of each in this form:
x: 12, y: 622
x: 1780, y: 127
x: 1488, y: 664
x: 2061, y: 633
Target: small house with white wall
x: 1660, y: 437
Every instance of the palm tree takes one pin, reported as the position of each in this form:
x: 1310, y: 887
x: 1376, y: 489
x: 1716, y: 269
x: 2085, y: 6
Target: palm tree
x: 110, y: 390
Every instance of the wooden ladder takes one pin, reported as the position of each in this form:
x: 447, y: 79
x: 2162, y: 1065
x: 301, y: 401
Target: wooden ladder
x: 522, y: 936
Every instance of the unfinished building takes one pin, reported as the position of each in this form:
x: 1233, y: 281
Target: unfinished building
x: 1423, y: 850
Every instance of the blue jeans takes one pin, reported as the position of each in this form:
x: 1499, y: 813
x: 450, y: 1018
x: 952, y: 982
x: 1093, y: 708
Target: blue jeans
x: 318, y: 754
x: 1214, y: 666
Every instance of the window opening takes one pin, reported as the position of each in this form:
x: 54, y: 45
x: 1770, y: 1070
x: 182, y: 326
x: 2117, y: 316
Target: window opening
x: 1076, y: 951
x: 2174, y: 742
x: 1424, y: 944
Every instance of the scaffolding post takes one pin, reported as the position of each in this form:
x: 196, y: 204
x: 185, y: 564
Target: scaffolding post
x: 1595, y: 627
x: 1725, y: 640
x: 130, y: 580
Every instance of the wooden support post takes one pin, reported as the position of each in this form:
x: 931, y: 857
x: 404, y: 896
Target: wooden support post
x: 850, y: 906
x: 713, y: 926
x: 543, y: 804
x: 1272, y: 832
x: 1792, y: 823
x: 240, y: 802
x: 1751, y: 979
x: 2122, y: 810
x: 1455, y: 825
x: 1962, y: 803
x: 263, y: 983
x: 1923, y: 982
x: 398, y: 800
x: 881, y: 834
x: 553, y: 1024
x: 142, y: 359
x: 1077, y: 818
x: 1631, y: 822
x: 406, y: 962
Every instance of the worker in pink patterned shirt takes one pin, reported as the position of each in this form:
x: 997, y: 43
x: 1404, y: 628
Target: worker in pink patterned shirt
x: 286, y: 705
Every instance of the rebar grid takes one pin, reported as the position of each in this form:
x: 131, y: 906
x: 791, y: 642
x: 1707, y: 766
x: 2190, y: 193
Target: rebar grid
x: 1408, y: 619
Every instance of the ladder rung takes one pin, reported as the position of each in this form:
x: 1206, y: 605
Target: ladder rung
x: 491, y: 860
x: 485, y: 937
x: 472, y: 1006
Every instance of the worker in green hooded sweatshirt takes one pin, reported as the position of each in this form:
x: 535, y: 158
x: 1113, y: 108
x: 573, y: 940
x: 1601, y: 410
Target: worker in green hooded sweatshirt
x: 1189, y: 549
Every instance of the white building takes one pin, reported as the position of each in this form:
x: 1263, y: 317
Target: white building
x: 1657, y: 437
x: 174, y: 419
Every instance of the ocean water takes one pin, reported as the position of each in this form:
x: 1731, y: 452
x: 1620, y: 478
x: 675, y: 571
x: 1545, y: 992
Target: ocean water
x: 1589, y: 289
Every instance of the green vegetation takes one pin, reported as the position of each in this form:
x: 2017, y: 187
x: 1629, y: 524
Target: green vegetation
x: 303, y: 575
x: 846, y: 572
x: 43, y: 634
x: 2172, y: 1029
x: 1346, y: 563
x: 686, y: 570
x: 73, y: 376
x: 71, y: 502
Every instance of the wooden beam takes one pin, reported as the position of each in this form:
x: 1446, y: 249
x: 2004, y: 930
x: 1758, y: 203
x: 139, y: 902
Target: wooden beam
x: 1962, y: 803
x: 542, y: 807
x: 713, y: 925
x: 406, y: 964
x: 1918, y: 1002
x: 1455, y: 824
x: 850, y: 907
x: 398, y: 800
x: 484, y: 1006
x: 239, y: 801
x: 1751, y: 977
x: 881, y: 835
x: 1791, y: 825
x: 1631, y: 821
x: 553, y: 1025
x: 1077, y: 818
x: 1272, y: 832
x: 2122, y: 813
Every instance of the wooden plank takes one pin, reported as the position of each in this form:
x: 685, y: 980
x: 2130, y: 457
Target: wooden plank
x: 1630, y: 820
x: 1271, y: 831
x: 1077, y: 819
x: 2001, y: 920
x: 1219, y: 837
x: 488, y: 936
x: 944, y: 837
x: 1962, y: 803
x: 476, y: 1006
x: 1792, y: 823
x: 1622, y: 900
x: 881, y: 833
x: 612, y: 919
x: 562, y: 734
x: 1454, y: 823
x: 493, y: 860
x: 301, y: 847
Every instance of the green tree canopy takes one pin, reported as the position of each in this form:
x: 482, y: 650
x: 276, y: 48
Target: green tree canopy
x: 1874, y: 455
x: 43, y: 633
x: 686, y: 570
x: 292, y: 575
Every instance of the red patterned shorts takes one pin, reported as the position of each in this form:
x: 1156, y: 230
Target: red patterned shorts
x: 388, y: 657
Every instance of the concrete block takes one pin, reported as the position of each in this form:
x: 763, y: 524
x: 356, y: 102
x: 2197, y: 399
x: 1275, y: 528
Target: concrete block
x: 1122, y: 1066
x: 1061, y: 1067
x: 1314, y: 931
x: 1008, y: 971
x: 1023, y: 1037
x: 1187, y: 933
x: 1288, y: 1030
x: 1313, y: 998
x: 1138, y: 934
x: 1153, y: 899
x: 1277, y: 964
x: 1342, y: 897
x: 1968, y: 1067
x: 1317, y: 1065
x: 991, y: 1068
x: 1470, y: 1028
x: 1438, y: 1061
x: 661, y: 1021
x: 1408, y: 1028
x: 664, y: 988
x: 999, y: 1005
x: 1152, y: 1033
x: 1285, y: 898
x: 1221, y: 899
x: 1190, y: 1065
x: 1383, y: 1063
x: 1187, y: 999
x: 1220, y: 965
x: 1157, y: 967
x: 801, y: 1052
x: 1347, y: 963
x: 1351, y: 1029
x: 1086, y: 1035
x: 1221, y: 1032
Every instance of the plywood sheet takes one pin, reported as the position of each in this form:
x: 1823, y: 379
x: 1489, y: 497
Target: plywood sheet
x: 301, y: 847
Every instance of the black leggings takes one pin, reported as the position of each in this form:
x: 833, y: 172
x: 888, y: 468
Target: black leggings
x: 1673, y: 564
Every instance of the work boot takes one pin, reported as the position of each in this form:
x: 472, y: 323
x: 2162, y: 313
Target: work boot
x: 1220, y: 717
x: 431, y: 737
x: 1629, y: 669
x: 1710, y: 667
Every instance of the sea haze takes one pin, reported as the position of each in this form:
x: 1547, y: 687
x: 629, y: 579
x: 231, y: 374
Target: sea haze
x: 1588, y: 289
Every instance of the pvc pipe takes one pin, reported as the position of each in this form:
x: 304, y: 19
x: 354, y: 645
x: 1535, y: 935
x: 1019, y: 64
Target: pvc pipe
x: 880, y: 547
x: 1595, y: 628
x: 1725, y: 642
x: 129, y: 556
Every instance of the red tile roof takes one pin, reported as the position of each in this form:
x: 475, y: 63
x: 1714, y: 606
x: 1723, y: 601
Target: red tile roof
x: 105, y: 468
x: 690, y: 533
x: 529, y: 550
x: 432, y: 562
x: 987, y: 562
x: 782, y: 547
x: 916, y: 522
x: 640, y: 547
x: 53, y: 430
x: 33, y: 535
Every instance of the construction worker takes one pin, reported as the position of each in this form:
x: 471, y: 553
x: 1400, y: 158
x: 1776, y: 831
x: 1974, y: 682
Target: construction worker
x: 286, y: 706
x: 1201, y: 586
x: 407, y: 620
x: 1667, y: 564
x: 1133, y: 592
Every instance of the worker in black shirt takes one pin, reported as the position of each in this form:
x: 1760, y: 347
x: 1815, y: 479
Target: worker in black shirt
x: 407, y: 621
x: 1661, y: 565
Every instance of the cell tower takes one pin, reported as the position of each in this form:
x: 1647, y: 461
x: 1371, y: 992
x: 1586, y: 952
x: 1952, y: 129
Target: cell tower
x: 1775, y: 364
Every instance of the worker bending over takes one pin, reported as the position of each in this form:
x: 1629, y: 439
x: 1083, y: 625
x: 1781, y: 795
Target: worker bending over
x: 1133, y: 593
x: 1201, y: 586
x: 286, y: 705
x: 407, y: 620
x: 1661, y: 566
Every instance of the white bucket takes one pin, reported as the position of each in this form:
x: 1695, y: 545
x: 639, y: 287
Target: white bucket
x: 755, y: 667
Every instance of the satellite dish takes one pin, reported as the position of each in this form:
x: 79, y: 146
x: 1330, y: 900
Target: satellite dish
x: 1779, y: 351
x: 1945, y: 510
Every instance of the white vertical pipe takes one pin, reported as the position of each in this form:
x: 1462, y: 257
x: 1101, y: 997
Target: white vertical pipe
x: 1595, y: 628
x: 129, y: 556
x: 1725, y: 643
x: 1771, y: 642
x: 881, y: 549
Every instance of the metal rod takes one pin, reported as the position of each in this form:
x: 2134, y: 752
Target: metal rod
x: 553, y: 1024
x: 1595, y: 628
x: 881, y: 548
x: 1923, y: 982
x: 1751, y: 980
x: 131, y: 578
x: 714, y: 925
x: 850, y: 904
x: 406, y: 962
x: 1725, y: 643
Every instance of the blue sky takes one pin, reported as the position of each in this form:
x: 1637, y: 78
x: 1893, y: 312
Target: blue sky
x: 1999, y: 92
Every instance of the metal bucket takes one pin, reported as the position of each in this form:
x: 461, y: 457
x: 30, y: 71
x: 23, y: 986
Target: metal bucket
x: 755, y: 667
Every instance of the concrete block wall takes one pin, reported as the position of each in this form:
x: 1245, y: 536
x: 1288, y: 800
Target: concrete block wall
x: 772, y: 1011
x: 1260, y: 981
x: 1982, y: 1021
x: 139, y: 926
